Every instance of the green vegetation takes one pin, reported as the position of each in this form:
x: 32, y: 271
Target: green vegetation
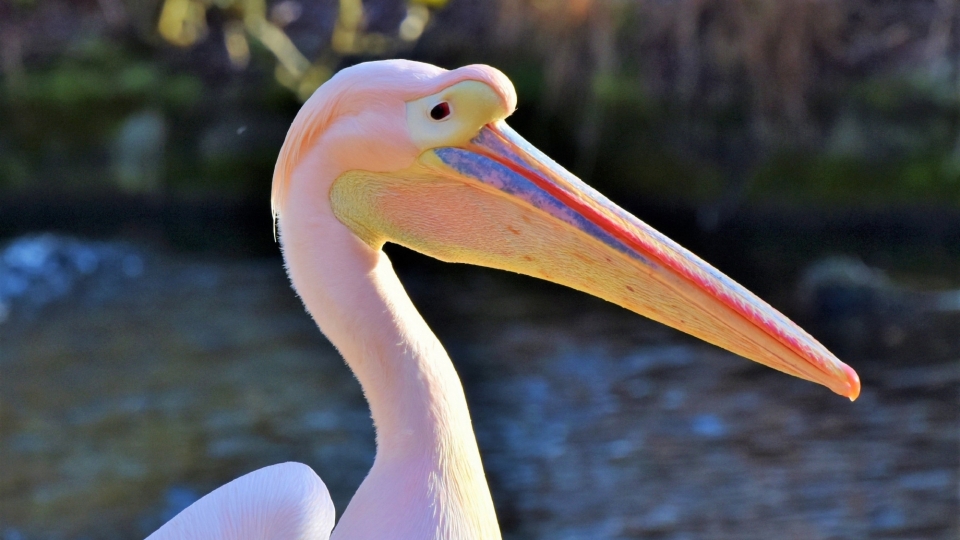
x: 622, y: 96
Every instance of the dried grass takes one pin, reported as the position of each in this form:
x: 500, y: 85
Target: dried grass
x: 774, y: 56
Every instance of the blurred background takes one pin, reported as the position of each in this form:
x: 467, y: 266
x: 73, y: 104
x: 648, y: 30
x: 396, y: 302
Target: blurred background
x: 151, y: 348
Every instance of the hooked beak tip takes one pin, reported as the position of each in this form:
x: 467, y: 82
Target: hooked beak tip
x: 853, y: 383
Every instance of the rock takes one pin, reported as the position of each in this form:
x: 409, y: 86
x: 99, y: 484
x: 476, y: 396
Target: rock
x: 38, y: 270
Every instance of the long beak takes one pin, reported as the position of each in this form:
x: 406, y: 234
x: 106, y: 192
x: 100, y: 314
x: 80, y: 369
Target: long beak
x: 499, y: 202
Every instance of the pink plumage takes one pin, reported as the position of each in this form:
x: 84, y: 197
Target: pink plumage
x: 286, y: 501
x: 366, y: 162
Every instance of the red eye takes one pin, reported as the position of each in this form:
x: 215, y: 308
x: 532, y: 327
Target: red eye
x: 440, y: 111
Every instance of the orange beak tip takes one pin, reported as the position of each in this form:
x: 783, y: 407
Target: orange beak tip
x: 853, y: 383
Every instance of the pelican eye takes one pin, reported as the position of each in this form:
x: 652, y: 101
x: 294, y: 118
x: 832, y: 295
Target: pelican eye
x: 440, y: 111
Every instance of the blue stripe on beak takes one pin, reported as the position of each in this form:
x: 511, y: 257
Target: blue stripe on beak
x: 502, y: 178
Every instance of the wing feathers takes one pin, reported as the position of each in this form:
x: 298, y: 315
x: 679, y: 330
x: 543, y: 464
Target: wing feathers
x: 283, y: 502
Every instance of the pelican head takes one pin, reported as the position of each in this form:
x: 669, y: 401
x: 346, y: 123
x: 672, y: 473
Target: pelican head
x: 449, y: 178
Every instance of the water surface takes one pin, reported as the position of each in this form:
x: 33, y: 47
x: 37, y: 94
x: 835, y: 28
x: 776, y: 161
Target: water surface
x: 140, y: 388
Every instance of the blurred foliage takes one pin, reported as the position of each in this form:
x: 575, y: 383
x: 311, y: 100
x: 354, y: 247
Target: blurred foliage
x: 716, y: 103
x: 98, y: 73
x: 183, y: 23
x: 64, y: 112
x: 100, y: 104
x: 714, y: 96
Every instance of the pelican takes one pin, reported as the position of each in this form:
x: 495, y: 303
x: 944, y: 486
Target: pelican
x: 406, y: 152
